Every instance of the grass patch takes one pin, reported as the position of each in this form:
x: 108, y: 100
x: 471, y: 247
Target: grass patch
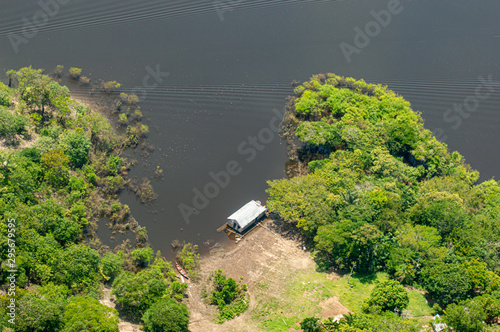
x: 284, y: 302
x: 418, y: 306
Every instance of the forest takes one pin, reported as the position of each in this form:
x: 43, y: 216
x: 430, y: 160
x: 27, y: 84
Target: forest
x: 376, y: 191
x: 373, y: 191
x: 61, y: 169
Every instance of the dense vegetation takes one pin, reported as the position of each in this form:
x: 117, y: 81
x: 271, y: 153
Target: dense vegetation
x: 380, y: 193
x: 190, y: 260
x: 228, y: 295
x: 60, y: 171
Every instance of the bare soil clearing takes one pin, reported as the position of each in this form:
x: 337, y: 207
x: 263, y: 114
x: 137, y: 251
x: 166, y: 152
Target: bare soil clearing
x: 263, y: 257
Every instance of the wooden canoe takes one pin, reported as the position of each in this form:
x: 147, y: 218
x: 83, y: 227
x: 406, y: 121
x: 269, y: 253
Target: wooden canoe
x: 181, y: 270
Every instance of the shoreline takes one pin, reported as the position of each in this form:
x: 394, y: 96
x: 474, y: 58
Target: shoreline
x: 267, y: 257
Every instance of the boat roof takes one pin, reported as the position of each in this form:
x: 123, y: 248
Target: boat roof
x: 247, y: 213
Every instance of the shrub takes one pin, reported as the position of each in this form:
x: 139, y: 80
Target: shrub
x: 32, y: 154
x: 45, y: 144
x: 85, y: 80
x: 122, y: 118
x: 110, y: 86
x: 5, y: 95
x: 142, y: 256
x: 128, y: 99
x: 311, y: 324
x: 59, y: 70
x: 75, y: 73
x: 111, y: 264
x: 146, y: 192
x: 137, y: 114
x: 137, y: 292
x: 190, y: 260
x: 229, y: 297
x: 11, y: 123
x: 114, y: 164
x: 77, y: 147
x: 387, y: 295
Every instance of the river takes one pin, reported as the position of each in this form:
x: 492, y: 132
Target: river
x: 213, y: 77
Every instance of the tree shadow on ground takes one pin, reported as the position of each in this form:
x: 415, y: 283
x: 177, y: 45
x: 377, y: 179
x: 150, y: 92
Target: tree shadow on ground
x: 365, y: 278
x: 285, y: 229
x: 126, y: 316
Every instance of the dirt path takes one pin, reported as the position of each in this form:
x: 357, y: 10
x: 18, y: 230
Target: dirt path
x: 109, y: 301
x: 261, y: 257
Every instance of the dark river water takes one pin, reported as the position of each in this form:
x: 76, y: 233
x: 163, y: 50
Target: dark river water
x: 210, y: 74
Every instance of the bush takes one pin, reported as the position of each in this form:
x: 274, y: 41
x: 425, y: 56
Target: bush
x: 137, y: 292
x: 110, y: 86
x: 59, y: 70
x: 229, y: 297
x: 142, y: 256
x: 388, y: 296
x: 114, y: 164
x: 75, y: 73
x: 32, y: 154
x: 146, y: 192
x: 77, y: 147
x: 311, y: 324
x: 111, y: 264
x: 190, y: 260
x: 85, y: 80
x: 5, y: 95
x: 11, y: 123
x: 123, y: 118
x: 128, y: 99
x: 45, y: 144
x: 166, y: 315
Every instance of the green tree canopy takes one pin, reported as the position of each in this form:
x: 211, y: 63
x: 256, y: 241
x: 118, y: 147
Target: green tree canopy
x: 77, y: 147
x: 86, y: 314
x: 38, y: 315
x: 166, y: 315
x: 388, y: 296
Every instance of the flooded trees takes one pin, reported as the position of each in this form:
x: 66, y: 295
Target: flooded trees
x: 75, y: 73
x: 58, y: 71
x: 110, y: 86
